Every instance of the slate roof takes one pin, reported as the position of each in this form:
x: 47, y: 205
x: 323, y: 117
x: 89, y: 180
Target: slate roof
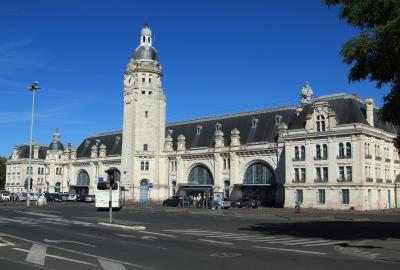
x: 348, y: 110
x: 24, y: 151
x: 112, y: 141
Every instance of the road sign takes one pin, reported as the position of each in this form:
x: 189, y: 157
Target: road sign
x: 151, y: 185
x: 101, y: 179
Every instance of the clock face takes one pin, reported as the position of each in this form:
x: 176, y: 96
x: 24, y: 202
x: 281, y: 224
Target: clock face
x: 129, y: 80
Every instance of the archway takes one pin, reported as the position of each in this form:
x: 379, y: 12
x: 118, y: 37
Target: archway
x: 82, y: 184
x: 144, y: 191
x: 199, y: 186
x: 57, y: 187
x: 259, y: 183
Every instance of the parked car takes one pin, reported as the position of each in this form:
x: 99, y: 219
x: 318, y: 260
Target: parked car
x: 5, y: 196
x: 64, y: 196
x: 80, y: 198
x: 33, y: 196
x: 226, y: 203
x: 90, y: 198
x: 173, y: 201
x: 71, y: 197
x: 22, y: 197
x: 243, y: 203
x: 56, y: 197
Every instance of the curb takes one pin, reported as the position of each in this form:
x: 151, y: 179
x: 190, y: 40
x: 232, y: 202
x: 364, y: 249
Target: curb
x: 124, y: 227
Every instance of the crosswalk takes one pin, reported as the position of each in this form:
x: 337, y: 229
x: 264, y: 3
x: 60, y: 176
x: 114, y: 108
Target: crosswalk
x: 273, y: 239
x: 36, y: 221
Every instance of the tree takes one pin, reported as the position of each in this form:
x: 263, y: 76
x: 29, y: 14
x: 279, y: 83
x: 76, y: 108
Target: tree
x: 375, y: 53
x: 3, y: 161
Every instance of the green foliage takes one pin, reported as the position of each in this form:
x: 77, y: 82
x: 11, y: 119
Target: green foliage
x: 375, y: 53
x: 3, y: 161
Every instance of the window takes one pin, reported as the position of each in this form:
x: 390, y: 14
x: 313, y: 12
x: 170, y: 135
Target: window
x: 198, y: 129
x: 149, y: 80
x: 254, y: 122
x: 325, y: 173
x: 321, y: 196
x: 146, y: 114
x: 341, y: 150
x: 296, y: 153
x: 345, y: 196
x: 299, y: 196
x: 303, y: 153
x: 348, y: 149
x: 38, y: 170
x: 144, y: 39
x: 325, y: 151
x: 148, y: 39
x: 349, y: 174
x: 318, y: 174
x: 143, y: 79
x: 341, y: 173
x: 303, y: 174
x: 143, y: 92
x: 318, y: 151
x: 296, y: 175
x: 144, y: 165
x: 320, y: 123
x: 145, y: 147
x: 150, y: 92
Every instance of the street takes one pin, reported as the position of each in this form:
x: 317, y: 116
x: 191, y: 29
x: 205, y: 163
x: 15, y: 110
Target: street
x: 76, y: 236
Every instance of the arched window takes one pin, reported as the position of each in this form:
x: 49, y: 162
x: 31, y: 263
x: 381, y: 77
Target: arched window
x: 303, y: 153
x: 296, y: 153
x: 318, y: 151
x: 348, y: 149
x: 57, y: 187
x: 144, y: 39
x: 258, y: 174
x: 320, y: 123
x: 341, y: 150
x: 83, y: 179
x: 200, y: 175
x: 325, y: 151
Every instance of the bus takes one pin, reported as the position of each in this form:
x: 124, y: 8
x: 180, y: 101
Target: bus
x: 103, y: 195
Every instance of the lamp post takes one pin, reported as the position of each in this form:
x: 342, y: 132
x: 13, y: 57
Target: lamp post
x: 33, y: 87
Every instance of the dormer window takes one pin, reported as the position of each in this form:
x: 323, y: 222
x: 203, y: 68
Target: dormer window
x: 254, y: 122
x: 170, y: 131
x: 320, y: 123
x: 277, y: 119
x: 198, y: 129
x: 218, y: 126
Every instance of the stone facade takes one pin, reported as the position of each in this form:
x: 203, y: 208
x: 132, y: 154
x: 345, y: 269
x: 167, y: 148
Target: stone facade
x: 328, y: 152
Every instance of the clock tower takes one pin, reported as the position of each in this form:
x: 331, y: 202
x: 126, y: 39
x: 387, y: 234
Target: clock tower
x: 144, y: 123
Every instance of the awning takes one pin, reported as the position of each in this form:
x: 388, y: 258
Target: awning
x: 188, y: 187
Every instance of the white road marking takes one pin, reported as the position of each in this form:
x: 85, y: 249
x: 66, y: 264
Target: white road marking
x: 93, y: 236
x: 37, y: 214
x: 59, y: 257
x: 307, y: 242
x: 155, y: 233
x: 292, y: 250
x: 263, y: 239
x: 4, y: 243
x: 125, y: 235
x: 79, y: 252
x: 215, y: 242
x: 68, y: 241
x: 277, y: 241
x: 325, y: 244
x: 124, y: 227
x: 109, y: 265
x: 36, y: 254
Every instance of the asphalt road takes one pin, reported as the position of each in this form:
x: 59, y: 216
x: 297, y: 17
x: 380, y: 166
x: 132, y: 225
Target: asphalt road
x: 69, y: 237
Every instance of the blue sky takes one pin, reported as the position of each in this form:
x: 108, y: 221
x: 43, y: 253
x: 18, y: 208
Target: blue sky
x: 218, y: 57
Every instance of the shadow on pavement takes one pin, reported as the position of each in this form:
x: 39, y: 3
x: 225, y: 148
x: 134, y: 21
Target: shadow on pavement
x: 335, y: 230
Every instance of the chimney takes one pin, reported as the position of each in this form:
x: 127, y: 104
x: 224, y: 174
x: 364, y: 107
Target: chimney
x: 36, y: 151
x: 369, y: 104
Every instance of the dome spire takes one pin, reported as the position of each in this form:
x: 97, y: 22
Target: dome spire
x: 146, y: 35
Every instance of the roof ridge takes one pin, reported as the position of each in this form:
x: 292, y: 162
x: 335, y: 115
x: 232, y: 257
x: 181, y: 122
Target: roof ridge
x: 104, y: 134
x: 231, y: 115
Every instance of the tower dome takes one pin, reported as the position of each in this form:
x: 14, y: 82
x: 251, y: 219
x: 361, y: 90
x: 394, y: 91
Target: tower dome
x: 145, y: 51
x: 56, y: 143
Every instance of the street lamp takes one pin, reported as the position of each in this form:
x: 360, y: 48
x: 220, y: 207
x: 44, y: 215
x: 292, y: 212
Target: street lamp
x: 33, y: 87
